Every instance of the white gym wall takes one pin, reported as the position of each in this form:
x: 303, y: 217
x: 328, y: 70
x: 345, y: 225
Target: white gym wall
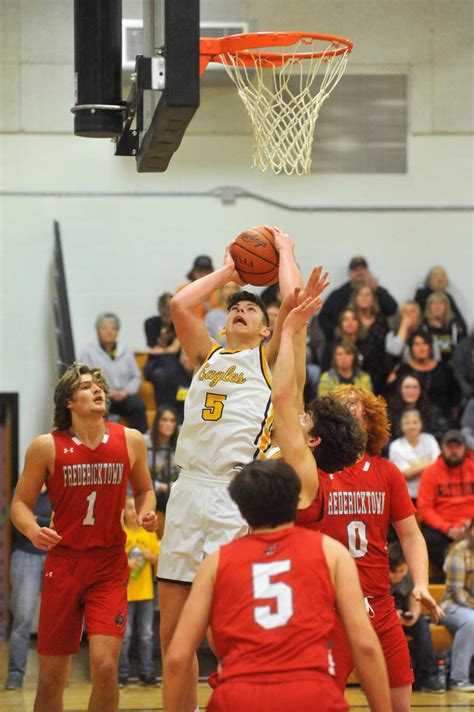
x: 121, y: 252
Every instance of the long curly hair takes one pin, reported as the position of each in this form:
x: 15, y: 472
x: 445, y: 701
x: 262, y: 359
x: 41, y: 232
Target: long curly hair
x: 375, y: 419
x: 342, y: 437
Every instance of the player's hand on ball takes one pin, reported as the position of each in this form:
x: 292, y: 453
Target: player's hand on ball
x: 282, y: 240
x: 148, y: 521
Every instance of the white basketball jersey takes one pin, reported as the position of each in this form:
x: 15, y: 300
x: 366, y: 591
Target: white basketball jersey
x: 227, y: 412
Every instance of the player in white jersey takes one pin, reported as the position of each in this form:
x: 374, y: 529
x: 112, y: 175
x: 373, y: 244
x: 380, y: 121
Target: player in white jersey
x: 227, y: 420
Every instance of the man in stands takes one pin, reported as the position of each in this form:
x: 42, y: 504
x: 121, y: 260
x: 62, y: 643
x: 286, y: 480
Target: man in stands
x: 446, y: 497
x: 339, y: 298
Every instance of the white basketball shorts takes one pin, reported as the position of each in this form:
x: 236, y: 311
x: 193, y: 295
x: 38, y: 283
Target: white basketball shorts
x: 200, y: 516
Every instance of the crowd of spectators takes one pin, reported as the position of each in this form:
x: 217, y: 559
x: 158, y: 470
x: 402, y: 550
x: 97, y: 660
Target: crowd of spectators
x: 418, y: 356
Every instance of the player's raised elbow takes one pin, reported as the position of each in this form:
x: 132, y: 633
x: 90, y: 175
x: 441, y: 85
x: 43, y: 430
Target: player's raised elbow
x: 176, y: 304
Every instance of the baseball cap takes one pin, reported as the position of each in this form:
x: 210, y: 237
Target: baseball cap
x: 201, y: 262
x: 358, y: 261
x: 453, y: 436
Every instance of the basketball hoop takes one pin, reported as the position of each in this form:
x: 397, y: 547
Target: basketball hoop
x: 279, y: 89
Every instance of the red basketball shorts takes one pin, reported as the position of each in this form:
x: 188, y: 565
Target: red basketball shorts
x: 302, y: 691
x: 386, y: 623
x: 82, y: 587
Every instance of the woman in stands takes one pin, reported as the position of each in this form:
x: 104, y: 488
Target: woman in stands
x: 409, y: 394
x: 413, y: 452
x: 345, y: 369
x: 441, y: 324
x: 372, y: 347
x: 161, y: 448
x: 349, y: 328
x: 437, y: 379
x: 437, y: 281
x: 409, y: 319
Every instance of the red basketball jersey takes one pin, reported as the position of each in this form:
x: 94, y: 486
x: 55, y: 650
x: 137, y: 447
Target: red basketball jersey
x: 88, y: 488
x: 272, y: 609
x: 356, y: 506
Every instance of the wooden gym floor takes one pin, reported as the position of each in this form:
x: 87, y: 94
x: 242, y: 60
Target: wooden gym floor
x: 140, y: 699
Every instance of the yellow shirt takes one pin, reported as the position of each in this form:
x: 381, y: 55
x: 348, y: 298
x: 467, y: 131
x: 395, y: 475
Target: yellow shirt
x: 140, y: 582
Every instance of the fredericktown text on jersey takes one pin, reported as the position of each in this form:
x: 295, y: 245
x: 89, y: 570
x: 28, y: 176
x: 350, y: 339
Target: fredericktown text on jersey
x: 356, y: 503
x: 97, y: 473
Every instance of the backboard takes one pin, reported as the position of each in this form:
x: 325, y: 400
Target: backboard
x: 164, y: 92
x: 171, y: 38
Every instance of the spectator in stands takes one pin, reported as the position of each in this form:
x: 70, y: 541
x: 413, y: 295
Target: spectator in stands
x: 365, y: 304
x: 458, y: 604
x: 467, y: 425
x: 271, y: 294
x: 163, y: 354
x: 273, y: 309
x: 440, y: 323
x: 142, y: 549
x: 446, y: 497
x: 216, y: 318
x: 159, y: 329
x: 416, y: 626
x: 315, y: 346
x: 117, y: 361
x: 345, y: 369
x: 413, y: 452
x: 161, y: 448
x: 437, y: 379
x: 409, y: 319
x: 409, y: 394
x: 463, y: 365
x: 339, y: 298
x: 26, y: 574
x: 172, y: 383
x: 437, y: 281
x: 349, y: 328
x: 202, y: 265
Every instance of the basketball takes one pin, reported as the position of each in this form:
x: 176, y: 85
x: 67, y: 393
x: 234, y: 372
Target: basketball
x: 256, y: 257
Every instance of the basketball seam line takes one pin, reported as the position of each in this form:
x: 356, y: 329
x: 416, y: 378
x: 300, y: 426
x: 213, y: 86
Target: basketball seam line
x: 277, y: 254
x: 264, y: 259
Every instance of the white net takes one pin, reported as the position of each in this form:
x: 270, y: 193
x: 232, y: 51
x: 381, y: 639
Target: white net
x: 284, y: 102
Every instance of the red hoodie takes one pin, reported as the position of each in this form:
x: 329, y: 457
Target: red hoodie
x: 446, y: 495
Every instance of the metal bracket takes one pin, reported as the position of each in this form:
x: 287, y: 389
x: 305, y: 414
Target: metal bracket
x: 151, y: 72
x: 127, y: 144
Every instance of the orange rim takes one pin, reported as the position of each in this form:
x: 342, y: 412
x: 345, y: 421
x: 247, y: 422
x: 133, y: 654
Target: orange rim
x: 218, y: 49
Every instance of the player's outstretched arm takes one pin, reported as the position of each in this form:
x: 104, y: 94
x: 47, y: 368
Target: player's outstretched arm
x: 189, y: 632
x: 366, y: 650
x: 140, y: 481
x: 190, y: 328
x: 416, y: 555
x: 289, y: 275
x: 291, y: 440
x: 39, y: 461
x: 316, y: 284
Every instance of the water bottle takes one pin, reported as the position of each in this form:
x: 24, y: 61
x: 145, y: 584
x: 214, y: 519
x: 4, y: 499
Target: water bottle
x: 442, y: 675
x: 136, y: 553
